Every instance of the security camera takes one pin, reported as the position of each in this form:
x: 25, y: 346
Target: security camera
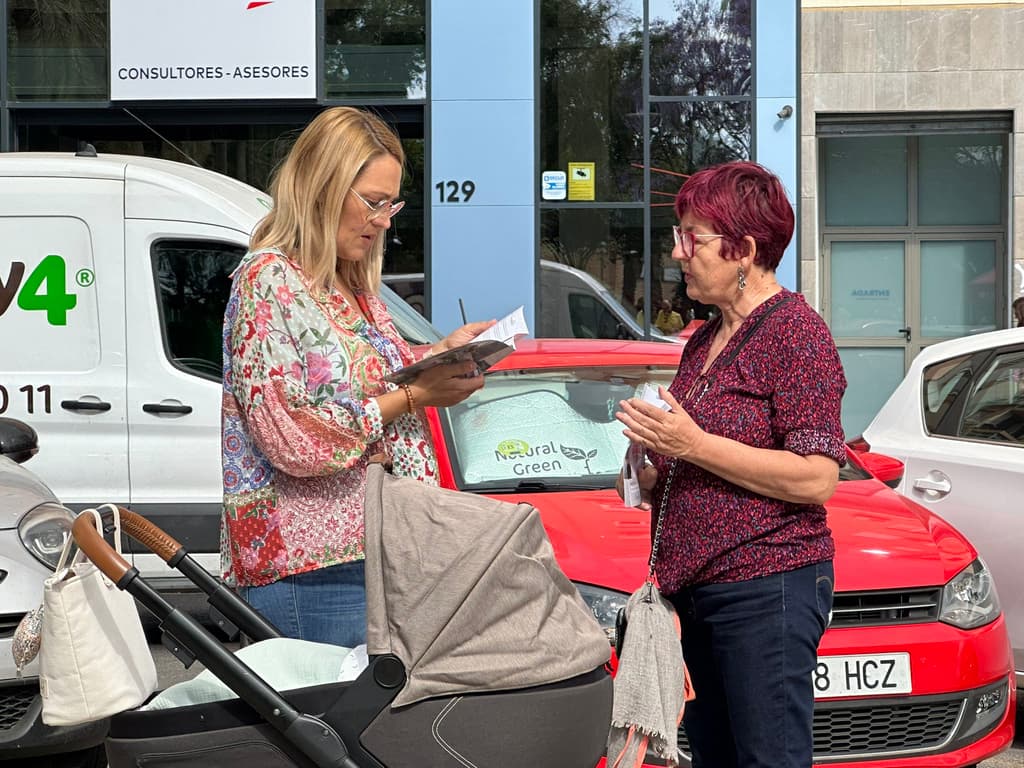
x: 785, y: 112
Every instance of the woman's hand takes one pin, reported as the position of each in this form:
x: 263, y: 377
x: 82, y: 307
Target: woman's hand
x: 462, y: 335
x: 647, y: 479
x: 445, y: 385
x: 670, y: 433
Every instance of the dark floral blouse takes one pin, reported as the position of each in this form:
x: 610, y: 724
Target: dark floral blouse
x: 782, y: 390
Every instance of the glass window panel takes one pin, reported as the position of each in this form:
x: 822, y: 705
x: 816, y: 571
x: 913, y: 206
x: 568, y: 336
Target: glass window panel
x: 958, y: 282
x: 57, y: 50
x: 590, y: 92
x: 867, y: 288
x: 596, y: 253
x: 246, y: 152
x: 960, y: 179
x: 700, y: 48
x: 375, y: 49
x: 871, y: 376
x: 688, y: 136
x: 865, y: 181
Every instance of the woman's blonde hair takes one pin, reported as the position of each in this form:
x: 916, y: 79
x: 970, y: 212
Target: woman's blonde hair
x: 309, y: 190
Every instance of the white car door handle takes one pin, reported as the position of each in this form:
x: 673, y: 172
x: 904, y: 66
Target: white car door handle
x: 941, y: 487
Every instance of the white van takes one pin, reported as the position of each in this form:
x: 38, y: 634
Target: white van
x: 113, y: 281
x: 577, y: 305
x: 574, y: 304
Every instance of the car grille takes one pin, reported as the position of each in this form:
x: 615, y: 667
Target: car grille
x: 9, y: 623
x: 843, y: 730
x: 14, y: 703
x: 885, y: 607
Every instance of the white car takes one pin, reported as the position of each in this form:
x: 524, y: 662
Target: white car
x: 957, y: 423
x: 33, y: 529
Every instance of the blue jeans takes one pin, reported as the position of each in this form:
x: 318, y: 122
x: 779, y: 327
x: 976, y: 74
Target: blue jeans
x: 751, y: 648
x: 327, y: 605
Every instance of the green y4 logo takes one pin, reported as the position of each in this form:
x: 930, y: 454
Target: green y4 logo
x: 45, y: 289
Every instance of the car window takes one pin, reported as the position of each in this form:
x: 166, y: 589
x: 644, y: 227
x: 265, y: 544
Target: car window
x: 543, y: 428
x: 994, y: 411
x: 193, y: 280
x: 942, y: 384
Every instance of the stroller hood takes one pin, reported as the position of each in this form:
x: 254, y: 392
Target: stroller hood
x: 465, y: 590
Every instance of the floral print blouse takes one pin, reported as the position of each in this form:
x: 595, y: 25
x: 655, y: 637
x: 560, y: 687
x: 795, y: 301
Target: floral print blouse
x: 299, y: 421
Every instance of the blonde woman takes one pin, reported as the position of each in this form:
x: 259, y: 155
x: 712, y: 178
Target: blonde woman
x: 307, y: 344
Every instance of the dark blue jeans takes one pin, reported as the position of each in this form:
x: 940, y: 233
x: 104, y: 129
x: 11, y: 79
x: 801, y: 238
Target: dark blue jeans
x: 751, y: 648
x: 327, y: 605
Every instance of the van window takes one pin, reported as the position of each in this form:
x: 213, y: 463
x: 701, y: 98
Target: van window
x: 591, y: 319
x: 193, y: 280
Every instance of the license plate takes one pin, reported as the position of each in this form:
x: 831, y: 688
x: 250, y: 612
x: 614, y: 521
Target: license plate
x: 871, y: 674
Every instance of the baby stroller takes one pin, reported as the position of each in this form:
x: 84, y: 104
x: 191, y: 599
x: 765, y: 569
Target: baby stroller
x: 481, y: 652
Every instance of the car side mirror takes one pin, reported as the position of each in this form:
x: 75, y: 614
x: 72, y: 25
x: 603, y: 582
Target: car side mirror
x: 18, y: 441
x: 885, y: 468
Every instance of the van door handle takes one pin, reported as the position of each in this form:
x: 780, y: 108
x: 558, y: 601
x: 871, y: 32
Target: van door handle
x: 95, y: 406
x: 161, y: 408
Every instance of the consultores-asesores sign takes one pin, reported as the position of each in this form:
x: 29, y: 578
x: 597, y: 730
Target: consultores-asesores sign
x: 227, y: 49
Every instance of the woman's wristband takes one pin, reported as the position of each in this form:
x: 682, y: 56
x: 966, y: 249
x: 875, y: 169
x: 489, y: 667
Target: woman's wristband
x: 410, y: 401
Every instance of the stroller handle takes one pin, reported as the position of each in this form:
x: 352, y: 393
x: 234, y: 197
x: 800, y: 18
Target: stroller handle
x: 106, y: 558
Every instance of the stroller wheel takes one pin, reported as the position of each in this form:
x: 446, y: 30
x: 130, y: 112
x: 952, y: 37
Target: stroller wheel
x: 389, y: 672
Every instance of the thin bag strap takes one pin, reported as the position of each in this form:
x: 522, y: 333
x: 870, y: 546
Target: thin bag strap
x: 753, y: 329
x: 660, y: 523
x: 80, y: 556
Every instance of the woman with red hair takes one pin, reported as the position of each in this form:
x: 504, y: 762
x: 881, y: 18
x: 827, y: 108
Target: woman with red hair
x: 741, y: 466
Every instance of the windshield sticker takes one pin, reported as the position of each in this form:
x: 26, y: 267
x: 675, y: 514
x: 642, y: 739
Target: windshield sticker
x: 550, y: 438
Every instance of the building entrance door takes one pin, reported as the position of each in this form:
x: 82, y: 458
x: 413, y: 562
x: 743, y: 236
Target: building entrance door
x: 888, y: 298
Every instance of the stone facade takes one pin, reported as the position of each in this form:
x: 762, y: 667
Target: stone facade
x: 908, y: 56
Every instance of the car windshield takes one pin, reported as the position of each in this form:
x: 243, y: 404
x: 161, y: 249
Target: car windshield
x: 544, y: 429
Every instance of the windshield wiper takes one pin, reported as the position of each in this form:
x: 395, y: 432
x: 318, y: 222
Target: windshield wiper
x: 539, y: 486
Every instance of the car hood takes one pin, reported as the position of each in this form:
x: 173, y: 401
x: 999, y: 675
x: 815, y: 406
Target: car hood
x: 20, y: 491
x: 884, y: 540
x: 597, y: 540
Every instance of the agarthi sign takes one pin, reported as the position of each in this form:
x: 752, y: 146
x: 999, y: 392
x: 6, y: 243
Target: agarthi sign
x: 212, y: 49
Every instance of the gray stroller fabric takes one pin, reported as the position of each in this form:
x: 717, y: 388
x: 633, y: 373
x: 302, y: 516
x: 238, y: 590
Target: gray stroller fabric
x: 465, y: 590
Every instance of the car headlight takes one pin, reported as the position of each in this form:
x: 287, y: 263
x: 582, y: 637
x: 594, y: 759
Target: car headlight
x: 969, y: 599
x: 44, y: 530
x: 605, y: 605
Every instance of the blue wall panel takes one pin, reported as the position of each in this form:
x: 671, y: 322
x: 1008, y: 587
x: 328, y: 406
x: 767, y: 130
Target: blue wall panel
x: 487, y: 262
x: 481, y: 49
x: 482, y: 113
x: 777, y: 85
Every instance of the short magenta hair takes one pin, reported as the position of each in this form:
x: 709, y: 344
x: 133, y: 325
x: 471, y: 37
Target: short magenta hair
x: 740, y: 199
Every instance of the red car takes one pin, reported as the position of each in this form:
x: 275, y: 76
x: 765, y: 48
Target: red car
x: 915, y: 669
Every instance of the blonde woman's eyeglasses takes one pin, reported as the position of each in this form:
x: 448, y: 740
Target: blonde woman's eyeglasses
x: 380, y: 208
x: 687, y: 240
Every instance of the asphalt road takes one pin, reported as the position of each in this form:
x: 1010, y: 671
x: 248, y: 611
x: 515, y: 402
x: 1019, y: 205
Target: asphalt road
x: 170, y: 671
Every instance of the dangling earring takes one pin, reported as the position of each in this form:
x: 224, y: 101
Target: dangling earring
x: 741, y: 279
